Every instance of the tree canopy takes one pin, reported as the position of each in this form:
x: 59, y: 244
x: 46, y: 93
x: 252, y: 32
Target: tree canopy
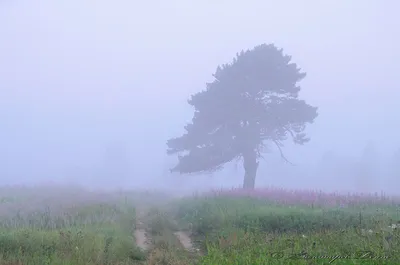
x: 252, y: 101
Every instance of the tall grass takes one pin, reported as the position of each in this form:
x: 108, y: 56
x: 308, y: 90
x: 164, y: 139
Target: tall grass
x: 45, y: 226
x: 266, y: 226
x: 247, y: 227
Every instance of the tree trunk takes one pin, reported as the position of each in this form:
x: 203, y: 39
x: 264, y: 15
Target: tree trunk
x: 250, y: 165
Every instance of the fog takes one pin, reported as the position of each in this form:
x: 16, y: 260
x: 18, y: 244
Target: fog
x: 90, y: 91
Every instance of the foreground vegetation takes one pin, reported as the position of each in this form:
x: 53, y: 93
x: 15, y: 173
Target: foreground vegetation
x: 246, y: 230
x: 71, y: 226
x: 55, y: 226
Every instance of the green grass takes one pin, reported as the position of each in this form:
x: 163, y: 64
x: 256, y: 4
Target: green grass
x: 66, y: 247
x: 74, y: 232
x: 248, y: 231
x: 249, y: 248
x: 77, y: 228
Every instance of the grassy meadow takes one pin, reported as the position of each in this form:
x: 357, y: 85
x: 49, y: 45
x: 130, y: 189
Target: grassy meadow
x: 56, y: 225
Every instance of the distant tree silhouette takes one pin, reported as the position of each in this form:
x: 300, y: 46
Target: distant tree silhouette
x: 252, y: 101
x: 328, y: 164
x: 369, y: 162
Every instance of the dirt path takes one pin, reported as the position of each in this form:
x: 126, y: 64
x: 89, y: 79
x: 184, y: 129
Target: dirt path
x: 183, y: 237
x: 140, y: 233
x: 185, y: 240
x: 143, y: 240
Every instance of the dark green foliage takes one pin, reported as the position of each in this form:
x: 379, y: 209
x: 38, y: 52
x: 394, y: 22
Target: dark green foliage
x: 252, y: 101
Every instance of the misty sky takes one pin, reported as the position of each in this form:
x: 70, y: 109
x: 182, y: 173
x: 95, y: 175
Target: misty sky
x: 79, y: 76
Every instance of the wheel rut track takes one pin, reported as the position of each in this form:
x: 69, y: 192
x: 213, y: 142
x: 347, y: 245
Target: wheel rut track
x: 143, y: 240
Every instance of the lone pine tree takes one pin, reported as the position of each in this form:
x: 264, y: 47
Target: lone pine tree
x: 252, y: 102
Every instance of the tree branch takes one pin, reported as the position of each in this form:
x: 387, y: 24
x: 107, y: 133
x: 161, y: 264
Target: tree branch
x: 290, y: 131
x: 281, y: 152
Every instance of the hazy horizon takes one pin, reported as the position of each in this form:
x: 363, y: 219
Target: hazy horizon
x: 90, y: 91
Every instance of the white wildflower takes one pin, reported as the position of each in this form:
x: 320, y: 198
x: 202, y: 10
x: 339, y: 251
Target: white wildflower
x: 304, y: 236
x: 366, y: 232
